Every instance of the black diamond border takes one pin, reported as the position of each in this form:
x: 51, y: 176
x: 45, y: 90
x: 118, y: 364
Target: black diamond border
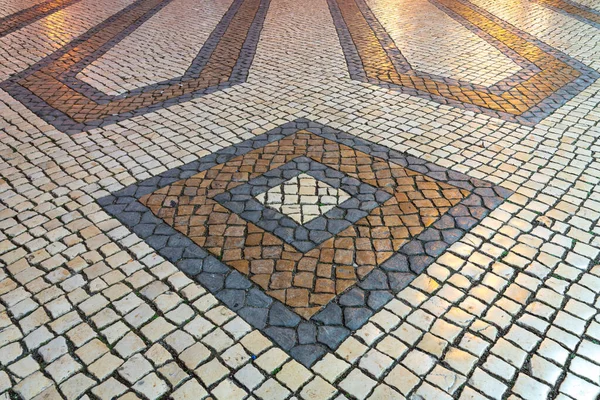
x: 306, y: 341
x: 241, y: 201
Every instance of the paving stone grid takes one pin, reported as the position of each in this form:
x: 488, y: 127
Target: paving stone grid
x: 579, y: 11
x: 25, y: 17
x: 547, y: 79
x: 455, y: 254
x: 306, y: 341
x: 52, y: 90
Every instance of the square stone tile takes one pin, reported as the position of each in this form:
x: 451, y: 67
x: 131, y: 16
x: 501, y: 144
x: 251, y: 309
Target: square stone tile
x: 357, y: 384
x: 227, y: 390
x: 271, y: 390
x: 249, y: 376
x: 190, y: 390
x: 211, y: 372
x: 151, y: 386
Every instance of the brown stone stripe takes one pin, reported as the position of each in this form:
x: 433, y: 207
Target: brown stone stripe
x: 304, y: 281
x: 46, y: 82
x: 573, y: 9
x: 378, y: 65
x: 20, y: 19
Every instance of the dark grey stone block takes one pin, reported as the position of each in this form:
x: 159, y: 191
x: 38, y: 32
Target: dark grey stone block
x: 330, y: 315
x: 397, y: 262
x: 235, y: 280
x: 419, y: 263
x: 211, y: 264
x: 354, y: 297
x: 379, y: 298
x: 307, y: 333
x: 257, y: 298
x: 452, y: 235
x: 233, y: 298
x: 375, y: 280
x: 435, y: 248
x: 213, y: 282
x: 257, y: 317
x: 354, y: 318
x: 191, y: 266
x: 284, y: 337
x: 280, y: 315
x: 332, y: 336
x: 307, y: 354
x: 399, y: 280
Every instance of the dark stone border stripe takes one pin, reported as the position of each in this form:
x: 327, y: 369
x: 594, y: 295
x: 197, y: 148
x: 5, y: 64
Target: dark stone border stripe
x: 575, y: 10
x: 531, y: 116
x: 21, y: 19
x: 151, y: 97
x: 528, y: 69
x: 306, y: 341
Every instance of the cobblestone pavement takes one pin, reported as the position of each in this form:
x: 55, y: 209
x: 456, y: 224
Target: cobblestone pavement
x: 281, y: 199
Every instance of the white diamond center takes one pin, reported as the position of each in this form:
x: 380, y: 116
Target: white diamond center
x: 303, y: 198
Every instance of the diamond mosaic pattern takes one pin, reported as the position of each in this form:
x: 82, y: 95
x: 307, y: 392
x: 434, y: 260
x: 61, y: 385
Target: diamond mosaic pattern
x: 307, y: 289
x: 451, y: 254
x: 306, y: 281
x: 303, y: 198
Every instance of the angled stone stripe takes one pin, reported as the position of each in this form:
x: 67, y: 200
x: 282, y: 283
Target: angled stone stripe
x: 548, y: 80
x: 50, y: 88
x: 305, y: 340
x: 20, y: 19
x: 578, y: 11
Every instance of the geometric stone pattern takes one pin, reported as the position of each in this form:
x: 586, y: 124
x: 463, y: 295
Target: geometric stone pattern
x: 13, y: 22
x: 306, y: 301
x: 359, y: 199
x: 51, y: 89
x: 303, y: 198
x: 328, y: 255
x: 90, y: 310
x: 579, y: 11
x: 458, y: 56
x: 160, y: 49
x: 546, y: 80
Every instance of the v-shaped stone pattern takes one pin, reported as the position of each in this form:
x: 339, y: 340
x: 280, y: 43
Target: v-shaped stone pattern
x: 21, y: 19
x: 50, y: 88
x: 304, y: 281
x: 550, y: 79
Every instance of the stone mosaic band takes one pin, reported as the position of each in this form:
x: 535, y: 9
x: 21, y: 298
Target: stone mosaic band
x: 159, y: 209
x: 51, y: 90
x: 578, y: 11
x: 547, y: 80
x: 21, y: 19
